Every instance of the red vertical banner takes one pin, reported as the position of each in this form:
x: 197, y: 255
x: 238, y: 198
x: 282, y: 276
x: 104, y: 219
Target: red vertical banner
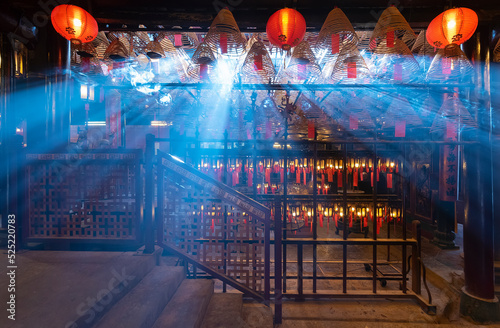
x: 355, y: 178
x: 330, y: 174
x: 389, y: 180
x: 335, y: 44
x: 113, y: 117
x: 400, y: 129
x: 250, y: 177
x: 310, y: 130
x: 398, y: 72
x: 297, y: 175
x: 268, y: 175
x: 177, y: 40
x: 390, y: 39
x: 351, y: 70
x: 257, y: 62
x: 223, y: 43
x: 339, y: 178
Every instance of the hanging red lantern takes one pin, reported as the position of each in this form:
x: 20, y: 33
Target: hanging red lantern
x: 454, y: 26
x: 74, y: 23
x: 286, y: 28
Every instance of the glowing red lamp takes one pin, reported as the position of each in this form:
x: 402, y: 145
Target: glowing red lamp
x: 286, y: 28
x: 74, y: 23
x: 454, y: 26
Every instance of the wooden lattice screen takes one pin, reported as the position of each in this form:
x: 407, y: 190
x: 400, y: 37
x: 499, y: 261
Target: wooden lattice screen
x: 84, y: 196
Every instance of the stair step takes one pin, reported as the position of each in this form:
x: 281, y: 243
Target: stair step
x: 188, y: 306
x: 257, y: 315
x: 143, y: 304
x: 224, y: 311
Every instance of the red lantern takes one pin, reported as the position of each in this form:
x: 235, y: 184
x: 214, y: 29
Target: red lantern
x: 452, y: 26
x: 286, y: 28
x: 74, y: 23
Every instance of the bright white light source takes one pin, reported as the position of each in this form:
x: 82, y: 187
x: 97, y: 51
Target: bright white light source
x: 452, y: 24
x: 97, y: 123
x: 77, y: 22
x: 160, y: 123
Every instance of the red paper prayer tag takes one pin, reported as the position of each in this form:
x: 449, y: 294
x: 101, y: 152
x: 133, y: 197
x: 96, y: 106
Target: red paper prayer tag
x: 353, y: 122
x: 335, y: 44
x: 446, y: 66
x: 302, y: 72
x: 390, y: 39
x: 398, y: 72
x: 351, y: 70
x: 451, y: 130
x: 269, y: 130
x: 223, y: 43
x: 257, y: 61
x: 310, y: 130
x: 177, y: 40
x: 339, y: 179
x: 400, y: 129
x: 389, y: 180
x: 203, y: 72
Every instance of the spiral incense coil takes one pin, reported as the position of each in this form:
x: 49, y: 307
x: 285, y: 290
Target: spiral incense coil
x: 336, y: 34
x: 302, y: 64
x: 422, y: 47
x: 139, y: 41
x: 391, y: 26
x: 224, y: 36
x: 395, y: 63
x: 400, y: 110
x: 202, y: 57
x: 154, y: 50
x: 354, y: 116
x: 350, y: 67
x: 258, y: 66
x: 450, y: 65
x: 118, y: 50
x: 428, y: 109
x: 496, y: 52
x: 452, y: 111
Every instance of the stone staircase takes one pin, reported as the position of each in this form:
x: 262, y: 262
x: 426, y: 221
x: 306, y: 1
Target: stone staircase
x: 120, y: 289
x: 165, y: 299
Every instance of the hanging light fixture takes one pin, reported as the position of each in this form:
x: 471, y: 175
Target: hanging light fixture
x: 286, y: 28
x: 454, y: 26
x: 74, y: 23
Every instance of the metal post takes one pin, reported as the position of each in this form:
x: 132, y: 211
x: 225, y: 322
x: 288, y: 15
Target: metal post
x: 278, y: 292
x: 148, y: 197
x: 416, y: 284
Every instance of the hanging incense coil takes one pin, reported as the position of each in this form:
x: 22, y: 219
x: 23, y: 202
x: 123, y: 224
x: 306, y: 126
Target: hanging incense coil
x: 139, y: 42
x: 336, y: 34
x: 496, y: 52
x: 154, y: 50
x: 302, y: 64
x: 395, y: 63
x: 450, y: 65
x: 258, y: 66
x: 117, y: 50
x: 452, y: 111
x: 224, y: 36
x: 203, y: 59
x: 423, y: 51
x: 400, y: 110
x: 421, y: 47
x: 349, y: 67
x: 354, y: 116
x: 390, y: 26
x: 428, y: 109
